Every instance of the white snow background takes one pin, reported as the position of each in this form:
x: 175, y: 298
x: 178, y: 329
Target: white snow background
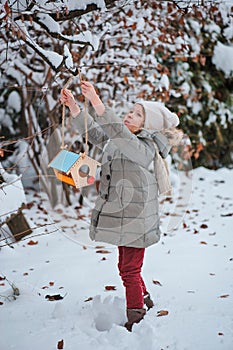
x: 193, y: 264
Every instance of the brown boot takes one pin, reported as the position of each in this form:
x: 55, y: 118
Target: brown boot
x: 148, y: 301
x: 134, y: 316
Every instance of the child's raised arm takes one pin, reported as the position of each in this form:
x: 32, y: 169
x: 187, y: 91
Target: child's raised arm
x: 89, y: 92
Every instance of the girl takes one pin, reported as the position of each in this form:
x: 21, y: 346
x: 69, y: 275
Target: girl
x: 126, y: 210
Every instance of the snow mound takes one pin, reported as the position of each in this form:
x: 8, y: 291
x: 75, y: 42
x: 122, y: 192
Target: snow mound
x: 108, y: 312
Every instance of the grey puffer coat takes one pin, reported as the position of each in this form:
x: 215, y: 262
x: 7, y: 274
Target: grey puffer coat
x: 126, y: 210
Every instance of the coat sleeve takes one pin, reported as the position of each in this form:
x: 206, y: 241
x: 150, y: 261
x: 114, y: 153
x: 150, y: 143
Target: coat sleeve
x: 138, y: 150
x: 96, y: 134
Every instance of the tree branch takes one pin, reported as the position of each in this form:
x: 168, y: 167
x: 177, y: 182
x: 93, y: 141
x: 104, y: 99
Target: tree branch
x: 60, y: 16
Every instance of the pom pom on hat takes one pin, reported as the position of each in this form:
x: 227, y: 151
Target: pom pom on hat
x: 157, y: 116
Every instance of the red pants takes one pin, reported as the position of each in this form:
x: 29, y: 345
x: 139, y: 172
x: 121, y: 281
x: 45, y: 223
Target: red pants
x: 129, y: 265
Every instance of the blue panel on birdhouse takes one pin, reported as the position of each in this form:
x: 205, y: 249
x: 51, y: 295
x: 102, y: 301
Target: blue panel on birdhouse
x: 64, y: 160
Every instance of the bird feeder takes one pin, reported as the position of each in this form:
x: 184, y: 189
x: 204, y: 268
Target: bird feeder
x: 75, y: 169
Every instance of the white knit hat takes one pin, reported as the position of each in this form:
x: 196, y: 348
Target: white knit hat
x: 157, y: 116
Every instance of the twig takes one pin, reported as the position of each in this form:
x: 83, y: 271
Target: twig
x: 31, y: 228
x: 40, y: 234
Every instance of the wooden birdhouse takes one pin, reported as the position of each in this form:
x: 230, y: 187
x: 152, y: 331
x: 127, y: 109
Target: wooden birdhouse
x: 75, y: 169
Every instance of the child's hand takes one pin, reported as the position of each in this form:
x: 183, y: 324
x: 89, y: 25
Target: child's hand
x: 68, y: 99
x: 89, y: 92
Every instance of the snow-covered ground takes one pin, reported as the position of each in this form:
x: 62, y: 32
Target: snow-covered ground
x: 189, y: 274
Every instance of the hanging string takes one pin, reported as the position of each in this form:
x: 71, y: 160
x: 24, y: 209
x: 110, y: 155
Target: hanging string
x: 63, y: 115
x: 63, y: 126
x: 85, y: 117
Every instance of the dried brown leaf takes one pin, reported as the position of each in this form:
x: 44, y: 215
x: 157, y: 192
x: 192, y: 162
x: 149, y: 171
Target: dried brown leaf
x: 102, y: 251
x: 60, y: 344
x: 110, y: 287
x: 157, y: 283
x: 31, y: 242
x: 204, y: 226
x: 88, y: 299
x: 162, y: 313
x: 53, y: 297
x: 7, y: 8
x: 129, y: 13
x: 81, y: 216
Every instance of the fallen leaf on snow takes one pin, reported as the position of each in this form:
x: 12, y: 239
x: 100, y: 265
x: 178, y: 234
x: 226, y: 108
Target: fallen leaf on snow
x: 81, y: 216
x: 42, y: 209
x: 31, y: 242
x: 220, y: 333
x: 51, y: 284
x: 162, y: 313
x: 60, y: 344
x: 229, y: 214
x: 203, y: 242
x: 110, y: 287
x: 157, y: 283
x: 29, y: 205
x: 53, y: 297
x: 204, y: 226
x: 102, y: 251
x: 88, y: 299
x: 224, y: 296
